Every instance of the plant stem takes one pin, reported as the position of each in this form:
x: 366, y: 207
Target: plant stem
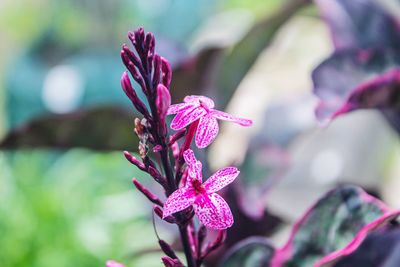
x: 172, y: 186
x: 186, y: 246
x: 185, y: 146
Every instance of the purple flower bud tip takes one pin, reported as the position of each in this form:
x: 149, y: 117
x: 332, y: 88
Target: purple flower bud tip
x: 167, y: 72
x: 157, y: 148
x: 126, y: 82
x: 168, y: 262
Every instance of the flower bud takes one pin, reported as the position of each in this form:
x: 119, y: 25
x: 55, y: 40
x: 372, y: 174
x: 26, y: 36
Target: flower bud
x: 152, y: 197
x: 163, y: 102
x: 168, y: 262
x: 131, y: 93
x: 167, y: 249
x: 166, y: 72
x: 157, y: 176
x: 134, y: 161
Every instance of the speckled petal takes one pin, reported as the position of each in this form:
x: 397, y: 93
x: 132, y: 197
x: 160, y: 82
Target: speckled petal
x: 179, y: 200
x: 173, y: 109
x: 187, y: 116
x: 207, y: 130
x: 197, y: 98
x: 213, y: 211
x: 220, y: 179
x: 228, y: 117
x: 195, y: 166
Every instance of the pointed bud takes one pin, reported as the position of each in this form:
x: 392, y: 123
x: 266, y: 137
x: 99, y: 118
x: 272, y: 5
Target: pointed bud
x: 152, y: 197
x: 137, y: 38
x: 150, y: 43
x: 163, y: 101
x: 131, y: 93
x: 134, y: 161
x: 166, y: 72
x: 168, y: 262
x: 167, y: 249
x: 157, y: 69
x: 175, y: 151
x: 134, y: 66
x: 157, y: 148
x: 159, y: 212
x: 173, y: 138
x: 157, y: 176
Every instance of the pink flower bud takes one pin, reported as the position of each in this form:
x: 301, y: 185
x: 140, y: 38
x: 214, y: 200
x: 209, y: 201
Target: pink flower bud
x: 168, y: 262
x: 152, y: 197
x: 134, y: 161
x: 167, y: 249
x: 157, y: 148
x: 166, y: 72
x: 173, y: 138
x: 157, y: 176
x: 163, y: 101
x: 131, y: 93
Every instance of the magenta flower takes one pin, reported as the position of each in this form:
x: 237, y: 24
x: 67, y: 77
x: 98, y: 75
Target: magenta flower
x: 201, y: 108
x: 112, y: 263
x: 210, y: 207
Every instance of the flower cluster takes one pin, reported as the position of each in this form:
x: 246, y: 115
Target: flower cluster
x: 181, y: 177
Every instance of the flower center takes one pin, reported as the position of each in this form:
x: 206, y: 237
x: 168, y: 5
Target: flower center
x: 204, y: 105
x: 198, y: 187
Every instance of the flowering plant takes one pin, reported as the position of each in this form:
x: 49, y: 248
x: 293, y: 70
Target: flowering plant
x: 180, y: 175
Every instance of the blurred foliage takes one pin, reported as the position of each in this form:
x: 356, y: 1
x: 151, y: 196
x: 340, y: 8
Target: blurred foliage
x: 70, y: 209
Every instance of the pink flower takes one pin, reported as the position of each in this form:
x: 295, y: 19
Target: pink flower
x: 210, y: 207
x: 201, y: 108
x: 112, y: 263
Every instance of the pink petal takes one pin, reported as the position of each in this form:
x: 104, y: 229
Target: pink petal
x: 207, y: 130
x: 112, y: 263
x: 221, y: 178
x: 195, y: 172
x: 213, y: 211
x: 195, y: 166
x: 228, y: 117
x: 186, y: 117
x: 179, y: 200
x: 173, y: 109
x: 198, y: 98
x: 189, y: 157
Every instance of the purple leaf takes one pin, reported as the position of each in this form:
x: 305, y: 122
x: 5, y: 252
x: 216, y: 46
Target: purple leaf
x: 251, y: 252
x: 334, y: 226
x: 340, y: 76
x: 359, y: 24
x: 380, y: 248
x: 382, y: 92
x: 359, y: 238
x: 367, y: 41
